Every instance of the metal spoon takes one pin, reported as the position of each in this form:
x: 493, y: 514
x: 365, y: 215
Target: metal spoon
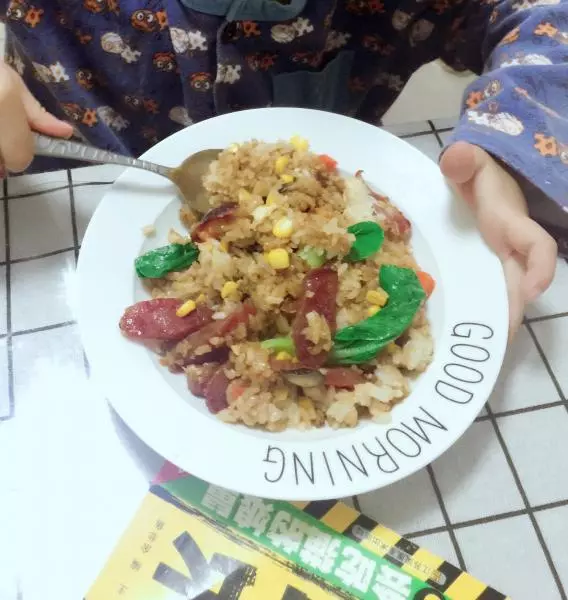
x: 188, y: 177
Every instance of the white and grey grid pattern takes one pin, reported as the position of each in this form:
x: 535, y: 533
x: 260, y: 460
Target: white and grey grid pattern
x: 496, y: 504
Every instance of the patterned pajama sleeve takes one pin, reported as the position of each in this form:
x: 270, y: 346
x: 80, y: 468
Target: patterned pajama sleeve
x: 518, y: 109
x: 128, y: 76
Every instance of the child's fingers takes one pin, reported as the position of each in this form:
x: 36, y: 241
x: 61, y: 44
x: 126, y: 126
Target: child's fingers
x: 540, y: 251
x: 39, y: 119
x: 460, y: 163
x: 514, y: 273
x: 16, y: 144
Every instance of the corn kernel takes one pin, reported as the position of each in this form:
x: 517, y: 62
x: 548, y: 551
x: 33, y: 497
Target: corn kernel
x: 185, y: 308
x: 283, y: 356
x: 272, y: 198
x: 244, y: 195
x: 392, y: 348
x: 229, y: 288
x: 377, y: 297
x: 200, y: 299
x: 281, y: 164
x: 300, y: 144
x: 283, y: 228
x: 373, y: 310
x: 278, y: 259
x: 287, y: 178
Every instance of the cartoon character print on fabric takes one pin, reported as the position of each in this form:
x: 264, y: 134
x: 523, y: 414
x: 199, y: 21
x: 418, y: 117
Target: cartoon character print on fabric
x: 520, y: 58
x: 550, y: 147
x: 151, y: 106
x: 112, y: 119
x: 165, y: 62
x: 420, y: 31
x: 86, y: 79
x: 503, y: 122
x: 308, y: 59
x: 442, y: 6
x: 201, y: 82
x: 336, y: 40
x: 17, y: 10
x: 401, y: 19
x: 511, y: 37
x: 374, y: 43
x: 22, y: 11
x: 392, y: 82
x: 476, y: 97
x: 285, y: 33
x: 148, y: 21
x: 51, y: 74
x: 261, y: 61
x: 524, y: 94
x: 112, y: 43
x: 179, y: 115
x: 79, y: 114
x: 528, y: 4
x: 137, y: 103
x: 547, y: 29
x: 365, y: 7
x: 188, y: 42
x: 83, y: 38
x: 229, y: 74
x: 16, y: 62
x: 97, y: 7
x: 250, y: 29
x: 232, y: 32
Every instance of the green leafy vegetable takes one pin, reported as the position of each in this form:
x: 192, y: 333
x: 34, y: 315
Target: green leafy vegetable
x: 280, y: 344
x: 361, y: 342
x: 369, y: 237
x: 313, y: 256
x: 157, y: 263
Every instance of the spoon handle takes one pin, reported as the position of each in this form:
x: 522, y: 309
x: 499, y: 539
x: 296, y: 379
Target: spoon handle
x: 60, y: 148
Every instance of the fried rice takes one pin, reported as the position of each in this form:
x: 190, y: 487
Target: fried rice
x: 280, y: 202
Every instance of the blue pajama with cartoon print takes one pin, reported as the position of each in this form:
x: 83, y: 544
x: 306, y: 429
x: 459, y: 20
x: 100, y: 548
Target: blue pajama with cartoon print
x: 129, y: 73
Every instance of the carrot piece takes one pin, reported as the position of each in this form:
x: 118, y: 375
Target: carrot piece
x: 329, y: 163
x: 235, y: 390
x: 427, y: 282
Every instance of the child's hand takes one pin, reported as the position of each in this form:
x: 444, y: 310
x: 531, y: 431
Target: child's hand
x: 20, y: 112
x: 527, y: 252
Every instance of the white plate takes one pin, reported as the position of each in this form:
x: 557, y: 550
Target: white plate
x: 468, y: 312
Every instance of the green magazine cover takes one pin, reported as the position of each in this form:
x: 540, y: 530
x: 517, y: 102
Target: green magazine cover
x: 197, y: 541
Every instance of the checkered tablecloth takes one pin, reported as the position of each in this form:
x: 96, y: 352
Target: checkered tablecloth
x: 72, y: 474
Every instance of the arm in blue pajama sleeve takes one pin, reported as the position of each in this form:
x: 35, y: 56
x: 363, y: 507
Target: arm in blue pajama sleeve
x: 518, y: 109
